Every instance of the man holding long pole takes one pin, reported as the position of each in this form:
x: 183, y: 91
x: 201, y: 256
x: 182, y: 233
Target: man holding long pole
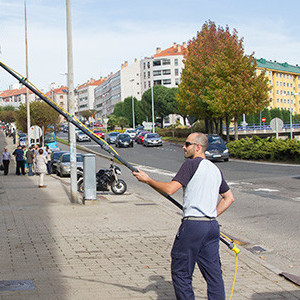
x: 197, y: 240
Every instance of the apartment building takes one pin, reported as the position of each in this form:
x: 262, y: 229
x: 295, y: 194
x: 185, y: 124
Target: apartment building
x: 284, y: 80
x: 117, y: 87
x: 164, y: 68
x: 60, y: 97
x: 15, y: 97
x: 85, y: 95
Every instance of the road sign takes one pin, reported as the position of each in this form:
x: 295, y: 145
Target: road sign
x: 35, y: 132
x: 276, y: 124
x: 263, y: 119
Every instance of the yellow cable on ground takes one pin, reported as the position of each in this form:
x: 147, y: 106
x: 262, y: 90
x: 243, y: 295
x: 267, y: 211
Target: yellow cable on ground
x: 235, y: 273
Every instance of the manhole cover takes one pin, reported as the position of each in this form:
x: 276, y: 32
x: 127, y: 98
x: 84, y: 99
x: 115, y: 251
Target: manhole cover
x: 16, y: 285
x: 256, y: 249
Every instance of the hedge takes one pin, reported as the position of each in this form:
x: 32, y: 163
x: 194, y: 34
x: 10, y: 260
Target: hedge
x: 271, y: 149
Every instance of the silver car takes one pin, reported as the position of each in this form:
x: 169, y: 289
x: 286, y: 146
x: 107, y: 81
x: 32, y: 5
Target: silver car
x: 152, y: 139
x: 82, y: 137
x: 63, y: 164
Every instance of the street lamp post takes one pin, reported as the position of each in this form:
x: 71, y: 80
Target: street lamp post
x: 152, y: 96
x: 132, y: 104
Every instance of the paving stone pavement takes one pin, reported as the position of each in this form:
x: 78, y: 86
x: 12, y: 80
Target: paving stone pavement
x: 117, y: 247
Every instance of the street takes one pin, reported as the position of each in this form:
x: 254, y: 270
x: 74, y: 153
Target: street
x: 265, y: 215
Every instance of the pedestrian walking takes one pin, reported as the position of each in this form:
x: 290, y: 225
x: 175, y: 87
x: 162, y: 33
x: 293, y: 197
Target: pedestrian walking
x: 48, y: 158
x: 197, y: 240
x: 35, y: 154
x: 29, y: 160
x: 41, y: 167
x: 20, y: 162
x: 5, y: 160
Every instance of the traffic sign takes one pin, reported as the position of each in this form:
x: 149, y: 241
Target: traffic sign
x: 35, y: 132
x: 263, y: 119
x: 276, y: 124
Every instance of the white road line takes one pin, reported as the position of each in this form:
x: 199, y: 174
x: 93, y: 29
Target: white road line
x: 265, y: 190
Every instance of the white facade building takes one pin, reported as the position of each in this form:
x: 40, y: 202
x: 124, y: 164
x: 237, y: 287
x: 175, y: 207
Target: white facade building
x: 164, y: 68
x: 85, y: 95
x: 118, y: 86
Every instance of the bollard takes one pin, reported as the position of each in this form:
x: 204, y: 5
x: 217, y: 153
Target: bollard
x: 89, y: 177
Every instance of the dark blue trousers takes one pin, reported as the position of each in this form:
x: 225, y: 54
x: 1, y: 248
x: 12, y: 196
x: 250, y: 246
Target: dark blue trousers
x: 197, y: 242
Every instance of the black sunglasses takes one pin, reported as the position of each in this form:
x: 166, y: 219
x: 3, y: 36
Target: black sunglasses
x: 187, y: 144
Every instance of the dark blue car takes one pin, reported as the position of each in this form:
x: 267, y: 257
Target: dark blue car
x: 216, y: 149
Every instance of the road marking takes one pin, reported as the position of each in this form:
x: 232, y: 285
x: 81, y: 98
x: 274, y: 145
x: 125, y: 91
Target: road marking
x: 265, y: 190
x: 155, y: 170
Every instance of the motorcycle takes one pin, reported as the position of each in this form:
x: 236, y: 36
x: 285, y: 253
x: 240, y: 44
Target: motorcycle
x: 105, y: 178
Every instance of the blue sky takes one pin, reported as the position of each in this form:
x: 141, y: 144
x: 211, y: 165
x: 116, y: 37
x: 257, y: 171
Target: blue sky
x: 107, y: 33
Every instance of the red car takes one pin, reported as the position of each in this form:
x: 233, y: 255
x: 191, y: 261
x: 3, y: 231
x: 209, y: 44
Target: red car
x: 99, y: 133
x: 140, y: 137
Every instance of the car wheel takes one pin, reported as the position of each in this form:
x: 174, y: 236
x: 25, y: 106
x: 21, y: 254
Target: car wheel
x: 57, y: 173
x: 226, y: 159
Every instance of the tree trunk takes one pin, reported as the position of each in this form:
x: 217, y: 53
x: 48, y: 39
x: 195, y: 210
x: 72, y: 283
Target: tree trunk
x: 227, y: 130
x: 236, y: 134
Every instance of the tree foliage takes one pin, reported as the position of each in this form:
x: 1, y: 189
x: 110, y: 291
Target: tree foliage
x: 219, y: 80
x: 87, y: 113
x: 40, y: 114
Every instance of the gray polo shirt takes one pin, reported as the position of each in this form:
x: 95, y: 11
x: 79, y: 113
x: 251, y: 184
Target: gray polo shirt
x: 202, y: 183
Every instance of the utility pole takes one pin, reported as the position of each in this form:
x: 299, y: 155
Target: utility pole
x: 27, y: 91
x: 152, y: 96
x: 71, y: 108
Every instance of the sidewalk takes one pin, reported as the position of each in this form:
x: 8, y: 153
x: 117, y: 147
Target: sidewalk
x: 117, y: 247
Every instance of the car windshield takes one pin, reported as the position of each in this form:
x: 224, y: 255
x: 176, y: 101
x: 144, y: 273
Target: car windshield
x: 66, y: 158
x: 56, y: 155
x: 97, y: 131
x: 212, y: 140
x: 124, y: 136
x: 81, y: 133
x: 130, y: 130
x: 113, y: 133
x: 152, y: 135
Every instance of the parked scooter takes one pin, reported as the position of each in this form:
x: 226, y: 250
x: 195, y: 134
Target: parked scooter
x: 105, y: 178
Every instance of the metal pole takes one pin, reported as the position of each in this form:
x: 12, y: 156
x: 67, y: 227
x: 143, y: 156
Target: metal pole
x: 73, y: 164
x: 152, y: 96
x: 291, y: 119
x: 27, y: 91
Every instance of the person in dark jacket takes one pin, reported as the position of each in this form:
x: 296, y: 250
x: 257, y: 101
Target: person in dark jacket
x: 29, y: 159
x: 19, y: 154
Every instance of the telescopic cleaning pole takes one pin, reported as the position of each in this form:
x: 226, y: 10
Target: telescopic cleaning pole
x: 104, y: 145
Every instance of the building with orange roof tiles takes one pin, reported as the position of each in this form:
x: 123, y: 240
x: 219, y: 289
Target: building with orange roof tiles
x: 85, y: 95
x: 164, y: 67
x: 15, y: 97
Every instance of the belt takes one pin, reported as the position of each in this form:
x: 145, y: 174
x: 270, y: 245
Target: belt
x: 204, y: 218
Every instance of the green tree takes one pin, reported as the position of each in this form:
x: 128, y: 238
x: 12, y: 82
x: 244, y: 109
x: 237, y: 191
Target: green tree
x: 8, y: 116
x: 40, y: 114
x: 276, y: 113
x: 87, y: 113
x: 164, y: 102
x: 219, y: 80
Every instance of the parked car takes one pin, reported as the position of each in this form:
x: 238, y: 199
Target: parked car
x: 55, y: 155
x: 141, y: 136
x: 124, y: 140
x: 82, y: 137
x: 152, y: 139
x: 23, y: 140
x: 131, y: 132
x: 111, y: 137
x: 99, y: 133
x: 216, y: 149
x: 63, y: 164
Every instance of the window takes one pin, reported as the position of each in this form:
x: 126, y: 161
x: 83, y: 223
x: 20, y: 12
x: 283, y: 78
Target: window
x: 144, y: 65
x: 280, y: 75
x: 145, y: 84
x: 167, y: 72
x: 157, y: 73
x: 149, y: 74
x: 176, y: 72
x: 61, y: 97
x: 287, y: 84
x: 277, y: 83
x: 270, y: 73
x: 157, y: 82
x: 167, y: 81
x: 148, y: 64
x: 149, y: 84
x: 176, y: 61
x: 166, y: 61
x: 157, y: 63
x: 280, y: 83
x: 144, y: 75
x: 177, y: 82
